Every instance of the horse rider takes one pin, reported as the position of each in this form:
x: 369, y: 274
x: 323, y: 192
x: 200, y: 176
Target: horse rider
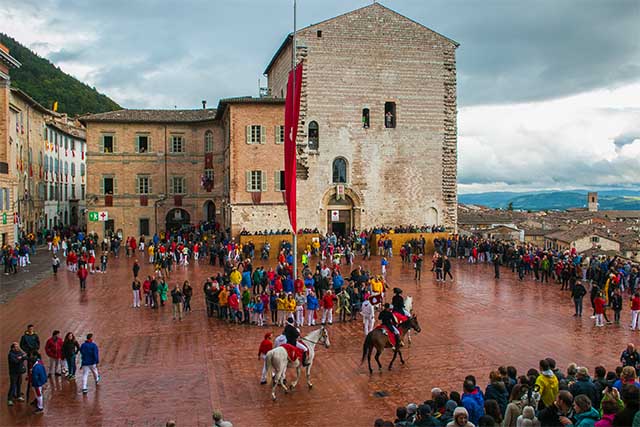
x: 292, y: 334
x: 387, y: 318
x: 398, y: 302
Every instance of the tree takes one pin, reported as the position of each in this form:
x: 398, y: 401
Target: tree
x: 510, y: 206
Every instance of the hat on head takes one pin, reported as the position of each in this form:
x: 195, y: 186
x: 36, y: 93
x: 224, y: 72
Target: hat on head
x: 412, y: 408
x: 397, y: 290
x: 451, y: 406
x: 460, y: 410
x: 424, y: 410
x: 290, y: 320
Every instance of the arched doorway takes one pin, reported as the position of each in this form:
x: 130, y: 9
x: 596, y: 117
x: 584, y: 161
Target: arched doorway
x: 432, y: 216
x: 209, y: 211
x: 340, y: 215
x: 176, y: 219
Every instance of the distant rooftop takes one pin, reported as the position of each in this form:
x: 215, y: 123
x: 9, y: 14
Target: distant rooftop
x: 152, y: 116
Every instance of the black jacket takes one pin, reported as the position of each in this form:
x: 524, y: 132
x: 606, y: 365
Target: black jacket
x: 584, y: 386
x: 30, y: 342
x: 69, y: 348
x: 292, y: 334
x: 16, y: 362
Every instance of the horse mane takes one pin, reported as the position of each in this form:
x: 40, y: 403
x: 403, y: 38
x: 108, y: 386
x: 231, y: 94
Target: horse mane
x: 313, y: 335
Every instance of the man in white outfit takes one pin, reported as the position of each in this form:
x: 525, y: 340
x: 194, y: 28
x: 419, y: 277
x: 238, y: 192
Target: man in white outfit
x: 368, y: 316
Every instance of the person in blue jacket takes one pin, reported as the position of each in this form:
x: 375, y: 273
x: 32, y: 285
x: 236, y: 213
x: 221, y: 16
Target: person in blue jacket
x: 38, y: 380
x: 473, y: 401
x: 338, y: 282
x: 312, y: 306
x: 90, y: 360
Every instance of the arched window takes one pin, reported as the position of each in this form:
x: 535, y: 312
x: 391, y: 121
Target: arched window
x: 339, y: 171
x: 313, y: 133
x: 208, y: 142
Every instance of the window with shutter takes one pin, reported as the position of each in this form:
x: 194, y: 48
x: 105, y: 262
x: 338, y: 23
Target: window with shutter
x: 279, y: 130
x: 263, y: 134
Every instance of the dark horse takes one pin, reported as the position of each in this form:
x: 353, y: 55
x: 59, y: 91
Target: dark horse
x: 380, y: 341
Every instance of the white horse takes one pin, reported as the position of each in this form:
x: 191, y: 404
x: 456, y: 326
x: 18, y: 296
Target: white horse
x: 408, y: 307
x: 279, y: 361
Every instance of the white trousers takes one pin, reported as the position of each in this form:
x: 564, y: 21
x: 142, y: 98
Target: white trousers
x: 368, y: 324
x: 635, y: 318
x: 264, y: 367
x: 136, y: 298
x: 300, y: 316
x: 39, y: 397
x: 310, y: 317
x: 599, y: 320
x: 85, y: 374
x: 327, y: 315
x: 54, y: 366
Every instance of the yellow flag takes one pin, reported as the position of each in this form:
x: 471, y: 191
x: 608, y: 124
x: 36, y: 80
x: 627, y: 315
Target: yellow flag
x: 55, y: 105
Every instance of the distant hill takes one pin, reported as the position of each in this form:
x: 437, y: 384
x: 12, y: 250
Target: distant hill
x: 549, y: 200
x: 46, y: 83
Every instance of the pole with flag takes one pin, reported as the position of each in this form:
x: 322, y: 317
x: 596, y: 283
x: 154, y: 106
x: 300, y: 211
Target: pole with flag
x: 291, y: 116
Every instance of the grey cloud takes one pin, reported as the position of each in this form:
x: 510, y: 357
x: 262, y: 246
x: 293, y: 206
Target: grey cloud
x: 626, y: 138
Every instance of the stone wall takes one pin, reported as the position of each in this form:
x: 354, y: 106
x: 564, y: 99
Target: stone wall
x: 275, y: 240
x: 361, y: 60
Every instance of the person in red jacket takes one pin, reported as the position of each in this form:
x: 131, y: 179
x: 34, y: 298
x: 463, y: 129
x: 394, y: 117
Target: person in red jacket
x: 82, y: 275
x: 635, y: 311
x: 327, y: 307
x: 234, y: 307
x: 265, y: 346
x: 53, y: 348
x: 599, y: 303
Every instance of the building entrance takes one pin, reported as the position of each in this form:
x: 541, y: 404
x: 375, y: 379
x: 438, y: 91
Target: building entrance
x: 176, y: 219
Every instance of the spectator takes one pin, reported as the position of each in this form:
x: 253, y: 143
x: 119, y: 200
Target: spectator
x: 16, y: 369
x: 473, y: 402
x: 218, y: 421
x: 631, y: 399
x: 630, y: 356
x: 584, y: 385
x: 585, y: 414
x: 548, y: 384
x: 53, y: 348
x: 90, y: 360
x: 38, y: 380
x: 496, y: 390
x: 461, y: 418
x: 557, y: 413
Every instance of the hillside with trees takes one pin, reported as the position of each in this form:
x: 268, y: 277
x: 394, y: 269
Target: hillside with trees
x: 46, y: 83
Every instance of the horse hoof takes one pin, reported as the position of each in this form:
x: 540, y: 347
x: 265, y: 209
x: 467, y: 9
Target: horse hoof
x: 273, y: 397
x: 310, y: 386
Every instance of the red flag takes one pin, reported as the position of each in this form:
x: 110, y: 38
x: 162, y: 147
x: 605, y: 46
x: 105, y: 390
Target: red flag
x: 291, y: 116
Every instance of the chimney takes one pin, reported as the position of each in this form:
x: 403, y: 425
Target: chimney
x: 204, y: 104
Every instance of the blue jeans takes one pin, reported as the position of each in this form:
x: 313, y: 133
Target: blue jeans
x: 578, y: 304
x: 71, y: 364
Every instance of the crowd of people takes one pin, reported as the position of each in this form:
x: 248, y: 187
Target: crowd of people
x: 543, y: 397
x: 25, y: 359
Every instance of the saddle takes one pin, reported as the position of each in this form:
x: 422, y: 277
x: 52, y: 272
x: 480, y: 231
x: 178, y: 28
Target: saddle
x: 388, y: 333
x: 293, y: 352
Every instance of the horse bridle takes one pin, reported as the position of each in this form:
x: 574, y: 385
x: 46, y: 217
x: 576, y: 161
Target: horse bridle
x: 323, y: 337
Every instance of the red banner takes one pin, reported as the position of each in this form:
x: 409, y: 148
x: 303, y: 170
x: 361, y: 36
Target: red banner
x: 291, y: 116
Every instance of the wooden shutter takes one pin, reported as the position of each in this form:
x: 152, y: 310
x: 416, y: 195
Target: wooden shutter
x: 184, y: 185
x: 115, y: 147
x: 102, y: 185
x: 264, y: 180
x: 137, y: 191
x: 101, y: 144
x: 115, y: 185
x: 248, y: 178
x: 263, y: 134
x: 149, y: 189
x: 276, y: 180
x: 248, y: 134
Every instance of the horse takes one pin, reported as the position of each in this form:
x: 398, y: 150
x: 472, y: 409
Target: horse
x: 278, y: 360
x: 378, y: 339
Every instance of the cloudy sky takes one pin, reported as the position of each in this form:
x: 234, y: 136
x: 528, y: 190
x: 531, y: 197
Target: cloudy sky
x: 549, y: 91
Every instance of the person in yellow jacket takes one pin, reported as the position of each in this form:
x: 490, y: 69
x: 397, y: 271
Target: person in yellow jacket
x: 235, y: 277
x: 548, y: 383
x: 150, y: 251
x: 281, y: 304
x: 290, y: 307
x: 223, y: 301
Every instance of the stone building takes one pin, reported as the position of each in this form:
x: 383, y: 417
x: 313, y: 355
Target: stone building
x: 376, y: 145
x: 153, y: 169
x: 65, y: 173
x: 8, y: 176
x: 377, y: 139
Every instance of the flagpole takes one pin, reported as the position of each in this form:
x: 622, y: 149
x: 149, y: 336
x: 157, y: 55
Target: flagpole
x: 293, y: 64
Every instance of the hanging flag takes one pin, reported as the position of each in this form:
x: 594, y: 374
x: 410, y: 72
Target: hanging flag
x: 291, y: 116
x: 55, y: 105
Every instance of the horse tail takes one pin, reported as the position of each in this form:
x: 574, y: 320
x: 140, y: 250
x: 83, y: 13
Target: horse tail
x: 269, y: 363
x: 365, y: 347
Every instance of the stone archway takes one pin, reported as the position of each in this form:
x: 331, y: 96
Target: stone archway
x: 340, y: 213
x: 432, y: 216
x: 209, y: 211
x: 177, y: 218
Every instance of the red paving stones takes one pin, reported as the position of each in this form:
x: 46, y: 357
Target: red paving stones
x: 155, y: 369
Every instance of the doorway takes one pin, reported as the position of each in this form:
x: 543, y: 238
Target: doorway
x: 209, y: 211
x: 109, y: 227
x: 339, y: 220
x: 176, y: 219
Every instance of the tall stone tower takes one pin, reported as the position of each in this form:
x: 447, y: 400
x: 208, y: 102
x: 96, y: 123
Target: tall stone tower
x: 592, y: 201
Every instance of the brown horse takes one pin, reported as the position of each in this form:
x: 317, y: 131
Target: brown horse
x: 378, y: 339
